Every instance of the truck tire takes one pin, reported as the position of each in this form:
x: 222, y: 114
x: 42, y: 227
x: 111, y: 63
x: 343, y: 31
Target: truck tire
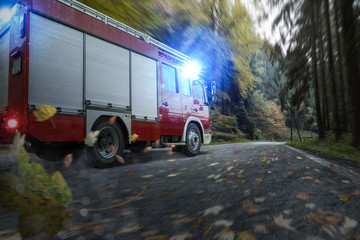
x: 193, y: 140
x: 102, y: 154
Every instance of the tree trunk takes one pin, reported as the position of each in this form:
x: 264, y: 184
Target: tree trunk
x: 340, y: 66
x: 349, y: 30
x: 297, y: 128
x: 332, y: 72
x: 325, y: 104
x: 315, y: 77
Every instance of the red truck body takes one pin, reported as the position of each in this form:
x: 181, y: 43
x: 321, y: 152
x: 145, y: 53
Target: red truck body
x: 89, y: 66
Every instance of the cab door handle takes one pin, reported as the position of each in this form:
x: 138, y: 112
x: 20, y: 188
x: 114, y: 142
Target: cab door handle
x: 165, y: 104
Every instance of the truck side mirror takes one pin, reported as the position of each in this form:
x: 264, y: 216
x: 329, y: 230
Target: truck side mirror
x: 213, y: 92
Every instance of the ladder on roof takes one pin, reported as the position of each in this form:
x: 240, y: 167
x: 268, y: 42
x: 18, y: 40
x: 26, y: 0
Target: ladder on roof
x: 125, y: 28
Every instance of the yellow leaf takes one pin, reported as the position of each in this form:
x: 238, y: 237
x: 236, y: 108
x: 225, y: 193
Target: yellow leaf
x: 258, y: 179
x: 44, y: 112
x: 243, y: 181
x: 173, y: 174
x: 133, y: 137
x: 169, y: 153
x: 345, y: 197
x: 196, y: 223
x: 245, y: 236
x: 120, y: 159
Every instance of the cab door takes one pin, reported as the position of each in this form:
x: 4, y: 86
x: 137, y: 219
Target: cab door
x: 170, y: 109
x: 201, y: 106
x: 187, y: 96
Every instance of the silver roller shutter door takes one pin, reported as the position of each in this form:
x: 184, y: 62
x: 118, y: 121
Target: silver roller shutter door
x: 56, y: 64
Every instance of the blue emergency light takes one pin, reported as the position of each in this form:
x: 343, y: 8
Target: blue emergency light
x: 191, y: 70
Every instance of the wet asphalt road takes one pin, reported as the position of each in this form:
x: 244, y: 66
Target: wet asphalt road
x: 230, y: 191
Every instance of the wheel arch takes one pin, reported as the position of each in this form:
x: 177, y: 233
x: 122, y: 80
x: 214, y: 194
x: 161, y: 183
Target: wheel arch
x: 94, y: 117
x: 198, y: 123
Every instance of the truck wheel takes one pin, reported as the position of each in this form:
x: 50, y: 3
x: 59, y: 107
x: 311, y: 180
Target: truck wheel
x: 193, y: 140
x: 103, y: 154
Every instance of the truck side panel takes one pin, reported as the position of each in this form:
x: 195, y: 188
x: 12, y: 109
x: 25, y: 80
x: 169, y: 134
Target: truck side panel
x: 55, y: 65
x: 80, y: 20
x: 4, y: 68
x: 107, y: 73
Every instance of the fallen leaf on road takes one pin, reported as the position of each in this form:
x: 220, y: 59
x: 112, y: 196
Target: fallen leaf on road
x: 260, y: 199
x: 124, y: 212
x: 307, y: 167
x: 169, y: 153
x: 131, y: 227
x: 112, y: 120
x: 345, y: 181
x: 258, y: 179
x: 181, y: 221
x: 227, y: 163
x: 165, y: 193
x: 284, y: 222
x: 272, y: 194
x: 182, y: 236
x: 307, y: 178
x: 316, y: 170
x: 225, y: 235
x: 230, y: 168
x: 147, y: 176
x: 250, y: 207
x: 158, y: 237
x: 290, y: 173
x: 303, y: 195
x: 298, y: 157
x: 223, y: 222
x: 225, y: 179
x: 260, y: 228
x: 120, y: 159
x: 213, y: 210
x: 318, y: 181
x: 356, y: 193
x: 213, y: 164
x: 331, y: 181
x: 204, y: 199
x: 196, y: 223
x: 287, y: 212
x: 245, y: 236
x: 173, y: 174
x: 239, y: 176
x: 345, y: 197
x: 130, y: 173
x: 310, y: 205
x: 209, y: 229
x: 349, y: 223
x: 171, y: 160
x: 68, y: 159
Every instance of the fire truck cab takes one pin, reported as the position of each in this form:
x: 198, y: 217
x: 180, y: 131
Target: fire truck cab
x: 91, y: 67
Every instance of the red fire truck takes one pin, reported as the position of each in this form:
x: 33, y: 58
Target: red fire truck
x: 91, y: 67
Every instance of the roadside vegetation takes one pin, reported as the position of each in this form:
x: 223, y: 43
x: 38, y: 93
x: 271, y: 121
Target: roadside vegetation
x: 302, y: 88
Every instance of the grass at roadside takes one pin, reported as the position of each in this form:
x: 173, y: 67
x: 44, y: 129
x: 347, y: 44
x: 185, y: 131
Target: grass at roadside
x: 341, y: 148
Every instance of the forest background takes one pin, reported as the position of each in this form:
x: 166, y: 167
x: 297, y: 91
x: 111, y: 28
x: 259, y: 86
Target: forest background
x: 308, y: 81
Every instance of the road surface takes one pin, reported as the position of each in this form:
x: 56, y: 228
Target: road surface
x: 230, y: 191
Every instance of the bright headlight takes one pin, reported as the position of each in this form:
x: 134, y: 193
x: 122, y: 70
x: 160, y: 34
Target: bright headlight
x: 6, y: 14
x: 191, y: 70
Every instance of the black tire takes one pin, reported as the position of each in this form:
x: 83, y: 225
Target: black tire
x: 193, y: 140
x: 110, y: 134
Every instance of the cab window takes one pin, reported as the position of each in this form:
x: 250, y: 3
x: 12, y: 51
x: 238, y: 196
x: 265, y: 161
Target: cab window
x: 198, y: 91
x: 185, y: 84
x: 169, y: 78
